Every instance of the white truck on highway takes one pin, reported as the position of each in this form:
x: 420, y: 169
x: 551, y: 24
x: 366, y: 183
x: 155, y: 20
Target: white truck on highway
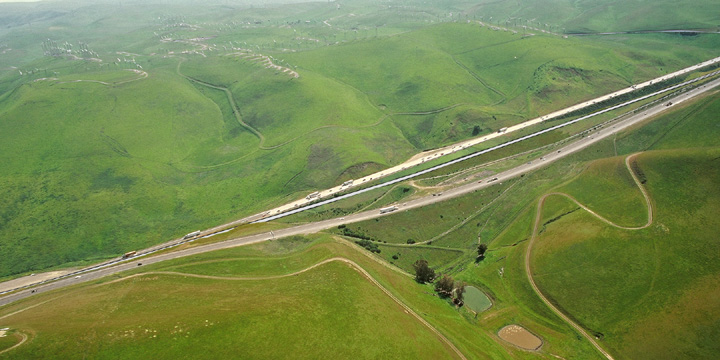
x: 191, y: 235
x: 313, y: 195
x: 502, y: 131
x: 388, y: 209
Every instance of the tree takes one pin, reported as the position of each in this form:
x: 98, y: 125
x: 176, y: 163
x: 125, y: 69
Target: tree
x: 476, y: 130
x: 423, y: 272
x: 444, y: 286
x: 481, y: 249
x: 460, y: 291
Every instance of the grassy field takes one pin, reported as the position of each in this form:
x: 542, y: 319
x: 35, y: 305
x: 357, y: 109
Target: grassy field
x: 625, y: 284
x: 619, y: 284
x: 165, y: 314
x: 100, y: 169
x: 607, y: 188
x: 624, y: 302
x: 679, y: 129
x: 170, y: 316
x: 600, y: 16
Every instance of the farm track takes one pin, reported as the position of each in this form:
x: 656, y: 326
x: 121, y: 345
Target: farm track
x: 24, y: 339
x: 481, y: 81
x: 536, y: 226
x: 466, y: 220
x: 143, y: 75
x: 261, y: 137
x: 351, y: 263
x: 231, y: 100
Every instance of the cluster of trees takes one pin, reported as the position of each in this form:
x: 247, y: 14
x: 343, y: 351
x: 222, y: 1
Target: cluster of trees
x: 445, y: 285
x: 369, y: 245
x: 354, y: 233
x: 638, y: 171
x: 481, y: 249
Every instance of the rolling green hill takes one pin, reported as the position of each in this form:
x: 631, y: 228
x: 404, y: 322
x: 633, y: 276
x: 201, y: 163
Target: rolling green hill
x: 601, y: 16
x: 634, y: 289
x: 328, y: 298
x: 148, y: 123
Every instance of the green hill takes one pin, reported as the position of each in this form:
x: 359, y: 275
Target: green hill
x: 143, y: 123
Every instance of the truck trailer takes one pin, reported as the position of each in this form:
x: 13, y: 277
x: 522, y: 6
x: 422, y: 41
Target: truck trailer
x: 191, y: 235
x: 388, y: 209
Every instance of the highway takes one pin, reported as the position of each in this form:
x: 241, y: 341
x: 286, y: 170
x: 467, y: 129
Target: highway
x: 450, y: 149
x: 591, y: 137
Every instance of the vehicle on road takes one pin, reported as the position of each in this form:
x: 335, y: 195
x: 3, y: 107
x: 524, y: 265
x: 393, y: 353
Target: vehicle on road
x: 191, y: 235
x: 129, y: 254
x: 502, y: 130
x: 388, y: 209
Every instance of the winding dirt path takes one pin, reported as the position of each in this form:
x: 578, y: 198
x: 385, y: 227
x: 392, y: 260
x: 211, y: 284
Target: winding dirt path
x: 24, y: 339
x: 142, y: 75
x: 536, y: 226
x: 261, y: 137
x: 352, y: 264
x: 460, y: 224
x: 231, y: 100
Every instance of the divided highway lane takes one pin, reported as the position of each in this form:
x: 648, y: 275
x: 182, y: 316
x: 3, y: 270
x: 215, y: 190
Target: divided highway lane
x: 591, y: 138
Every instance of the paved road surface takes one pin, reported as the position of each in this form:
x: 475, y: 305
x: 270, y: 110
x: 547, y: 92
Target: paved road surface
x: 575, y: 146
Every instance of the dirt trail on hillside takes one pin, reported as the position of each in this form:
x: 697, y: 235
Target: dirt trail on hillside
x: 536, y: 226
x: 352, y: 264
x: 22, y: 341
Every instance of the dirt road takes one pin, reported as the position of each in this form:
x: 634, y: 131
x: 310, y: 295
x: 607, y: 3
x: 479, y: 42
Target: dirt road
x: 536, y: 226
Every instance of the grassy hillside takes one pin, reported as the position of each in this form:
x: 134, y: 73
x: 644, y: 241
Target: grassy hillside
x: 441, y: 81
x: 642, y: 288
x: 138, y: 131
x: 622, y: 285
x: 601, y: 16
x: 639, y: 289
x: 101, y: 169
x: 299, y: 316
x: 171, y: 315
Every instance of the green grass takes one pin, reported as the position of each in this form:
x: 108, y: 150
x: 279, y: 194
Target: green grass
x: 607, y: 188
x: 9, y: 340
x: 265, y: 266
x: 104, y: 169
x: 171, y: 315
x: 408, y: 255
x: 678, y: 129
x: 329, y: 311
x: 599, y: 16
x: 622, y: 283
x: 346, y: 314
